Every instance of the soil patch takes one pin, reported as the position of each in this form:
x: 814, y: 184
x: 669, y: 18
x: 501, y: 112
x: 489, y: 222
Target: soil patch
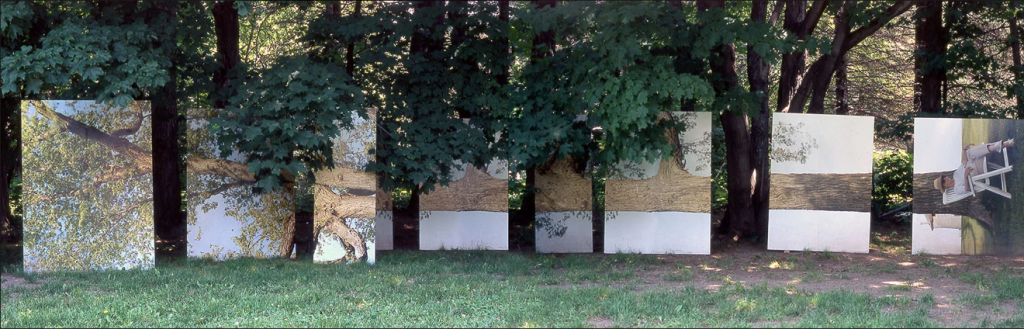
x: 8, y: 281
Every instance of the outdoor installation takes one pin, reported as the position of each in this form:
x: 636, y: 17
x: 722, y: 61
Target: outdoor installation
x: 820, y: 197
x: 564, y: 217
x: 471, y: 213
x: 88, y: 186
x: 226, y: 217
x: 664, y: 207
x: 346, y: 198
x: 967, y: 190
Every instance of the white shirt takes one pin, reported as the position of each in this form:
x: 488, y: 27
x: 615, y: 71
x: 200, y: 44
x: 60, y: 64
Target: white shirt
x: 959, y: 182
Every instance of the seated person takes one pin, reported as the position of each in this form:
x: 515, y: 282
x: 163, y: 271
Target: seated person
x: 973, y: 158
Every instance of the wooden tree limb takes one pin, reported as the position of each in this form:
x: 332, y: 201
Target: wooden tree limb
x: 810, y: 21
x: 860, y: 34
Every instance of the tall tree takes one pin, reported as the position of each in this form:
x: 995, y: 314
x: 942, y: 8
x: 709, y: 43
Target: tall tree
x: 930, y: 37
x: 817, y: 79
x: 1018, y: 67
x: 169, y: 220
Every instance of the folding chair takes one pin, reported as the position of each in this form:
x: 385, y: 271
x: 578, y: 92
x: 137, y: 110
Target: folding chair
x: 982, y: 182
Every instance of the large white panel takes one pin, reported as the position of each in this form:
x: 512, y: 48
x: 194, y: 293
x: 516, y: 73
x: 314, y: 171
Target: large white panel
x: 936, y: 235
x: 385, y: 230
x: 463, y: 230
x: 819, y: 230
x: 657, y: 232
x: 578, y: 236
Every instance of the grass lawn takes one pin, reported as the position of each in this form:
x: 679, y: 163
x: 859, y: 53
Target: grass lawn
x: 737, y: 287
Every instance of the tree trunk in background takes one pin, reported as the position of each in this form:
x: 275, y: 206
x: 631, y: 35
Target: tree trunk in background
x: 842, y: 105
x: 350, y: 59
x: 1018, y: 70
x: 8, y: 138
x: 801, y: 22
x: 225, y: 21
x: 528, y: 209
x: 819, y: 76
x: 760, y: 131
x: 929, y: 37
x: 739, y: 212
x: 169, y: 219
x: 821, y: 80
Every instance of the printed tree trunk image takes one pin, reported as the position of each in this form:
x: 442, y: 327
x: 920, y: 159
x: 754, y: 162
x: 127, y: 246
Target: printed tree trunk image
x: 226, y: 217
x: 928, y: 200
x: 664, y: 207
x: 345, y: 198
x: 836, y: 192
x: 88, y: 194
x: 682, y: 184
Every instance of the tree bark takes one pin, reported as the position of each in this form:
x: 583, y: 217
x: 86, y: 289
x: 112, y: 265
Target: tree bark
x: 528, y: 207
x: 818, y: 78
x: 8, y: 140
x: 350, y: 58
x: 225, y: 21
x: 800, y: 22
x: 170, y: 225
x: 1018, y: 69
x: 760, y: 131
x: 928, y: 200
x: 929, y: 37
x: 739, y: 211
x: 842, y: 105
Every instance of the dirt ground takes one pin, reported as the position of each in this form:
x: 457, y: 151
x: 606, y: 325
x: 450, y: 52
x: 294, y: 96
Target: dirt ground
x: 887, y: 270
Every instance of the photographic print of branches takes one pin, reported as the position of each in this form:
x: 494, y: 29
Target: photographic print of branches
x: 226, y: 218
x: 345, y: 198
x: 88, y: 186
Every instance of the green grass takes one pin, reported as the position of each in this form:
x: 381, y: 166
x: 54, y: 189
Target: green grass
x: 450, y: 289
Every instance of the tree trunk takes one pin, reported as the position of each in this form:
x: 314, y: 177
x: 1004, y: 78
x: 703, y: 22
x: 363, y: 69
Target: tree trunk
x: 225, y: 20
x: 760, y: 131
x: 170, y: 225
x: 818, y: 78
x: 842, y: 105
x: 799, y: 21
x: 737, y: 140
x: 528, y: 208
x: 1018, y: 69
x: 831, y: 60
x: 929, y: 41
x: 928, y: 200
x: 350, y: 59
x: 10, y: 154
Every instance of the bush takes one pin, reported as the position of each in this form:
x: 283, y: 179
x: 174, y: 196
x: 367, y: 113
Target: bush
x: 893, y: 180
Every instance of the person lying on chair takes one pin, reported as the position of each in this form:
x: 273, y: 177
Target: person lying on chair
x: 973, y: 159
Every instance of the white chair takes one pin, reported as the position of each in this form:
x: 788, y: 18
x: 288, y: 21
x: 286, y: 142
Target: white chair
x: 981, y: 182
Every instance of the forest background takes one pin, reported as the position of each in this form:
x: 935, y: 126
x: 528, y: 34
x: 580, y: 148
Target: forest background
x: 518, y: 72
